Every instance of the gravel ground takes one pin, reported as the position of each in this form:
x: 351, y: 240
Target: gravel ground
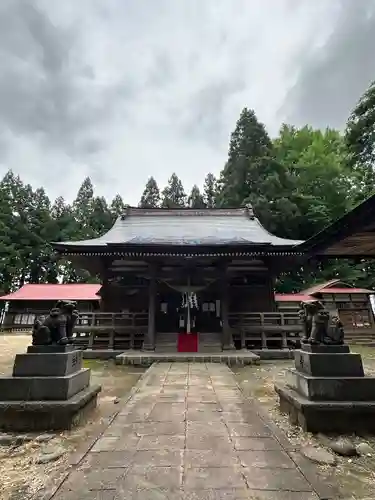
x: 21, y: 475
x: 356, y: 476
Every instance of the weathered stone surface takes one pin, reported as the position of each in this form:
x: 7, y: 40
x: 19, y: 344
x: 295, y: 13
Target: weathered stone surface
x: 268, y: 459
x: 94, y: 479
x: 7, y: 439
x: 10, y: 439
x: 43, y: 388
x: 47, y: 365
x: 318, y: 455
x: 364, y: 449
x: 47, y: 415
x: 213, y: 477
x: 329, y: 365
x: 49, y: 454
x: 326, y: 416
x: 332, y: 388
x: 159, y: 458
x: 195, y: 459
x: 64, y: 494
x: 148, y: 477
x: 206, y: 458
x: 237, y: 429
x: 276, y: 479
x: 326, y: 349
x: 344, y: 447
x: 245, y: 443
x: 108, y: 459
x: 157, y: 442
x: 44, y: 438
x: 45, y: 349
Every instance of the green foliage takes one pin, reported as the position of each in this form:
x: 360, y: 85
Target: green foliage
x: 210, y: 191
x: 29, y: 223
x: 360, y: 143
x: 173, y: 195
x: 117, y: 207
x: 195, y: 199
x: 253, y: 175
x: 297, y: 183
x: 151, y: 195
x: 318, y: 177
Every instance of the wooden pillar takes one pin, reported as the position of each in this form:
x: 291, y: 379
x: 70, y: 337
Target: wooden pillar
x: 227, y: 339
x: 149, y: 341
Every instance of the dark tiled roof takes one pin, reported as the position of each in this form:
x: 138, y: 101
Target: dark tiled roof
x: 186, y: 227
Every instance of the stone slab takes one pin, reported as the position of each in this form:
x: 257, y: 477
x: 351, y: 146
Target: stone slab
x: 327, y: 416
x: 27, y: 416
x: 139, y: 358
x: 327, y: 349
x: 328, y: 364
x: 332, y: 388
x: 197, y: 459
x: 46, y: 364
x: 43, y: 388
x: 274, y: 353
x: 44, y: 349
x: 101, y: 353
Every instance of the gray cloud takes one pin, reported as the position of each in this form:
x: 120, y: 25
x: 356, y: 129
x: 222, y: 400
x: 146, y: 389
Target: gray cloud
x: 336, y: 72
x: 121, y: 89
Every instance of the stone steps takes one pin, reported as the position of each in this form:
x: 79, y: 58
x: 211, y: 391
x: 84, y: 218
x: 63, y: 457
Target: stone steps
x: 166, y: 342
x: 210, y: 342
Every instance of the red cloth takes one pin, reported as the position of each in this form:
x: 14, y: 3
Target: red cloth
x: 187, y: 342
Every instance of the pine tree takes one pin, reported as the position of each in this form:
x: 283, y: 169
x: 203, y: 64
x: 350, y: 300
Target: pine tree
x: 100, y: 220
x: 252, y: 175
x: 151, y: 195
x: 209, y: 191
x: 117, y: 207
x: 249, y: 149
x: 20, y: 197
x: 195, y: 199
x: 173, y: 195
x: 42, y: 263
x: 9, y: 256
x: 83, y: 209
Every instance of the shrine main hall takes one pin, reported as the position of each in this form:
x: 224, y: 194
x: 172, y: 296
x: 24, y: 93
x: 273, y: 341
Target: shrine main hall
x: 202, y: 280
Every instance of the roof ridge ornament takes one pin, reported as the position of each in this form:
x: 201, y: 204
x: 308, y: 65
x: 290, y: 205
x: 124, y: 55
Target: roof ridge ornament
x: 250, y: 211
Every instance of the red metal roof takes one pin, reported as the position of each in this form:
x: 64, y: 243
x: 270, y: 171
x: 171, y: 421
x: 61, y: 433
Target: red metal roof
x: 329, y: 287
x: 68, y: 291
x: 291, y: 297
x: 347, y: 290
x: 83, y: 291
x: 299, y: 297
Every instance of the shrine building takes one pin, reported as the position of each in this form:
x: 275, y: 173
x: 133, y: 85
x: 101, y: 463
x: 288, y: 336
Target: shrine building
x: 201, y: 280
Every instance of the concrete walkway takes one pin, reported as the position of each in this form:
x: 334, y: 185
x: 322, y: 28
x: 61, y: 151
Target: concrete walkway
x: 187, y: 433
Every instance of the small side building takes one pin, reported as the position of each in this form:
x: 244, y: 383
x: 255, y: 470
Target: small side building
x: 32, y: 300
x: 353, y: 306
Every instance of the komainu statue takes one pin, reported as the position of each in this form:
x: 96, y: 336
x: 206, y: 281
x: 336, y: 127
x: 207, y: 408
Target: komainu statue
x: 319, y: 327
x: 57, y: 327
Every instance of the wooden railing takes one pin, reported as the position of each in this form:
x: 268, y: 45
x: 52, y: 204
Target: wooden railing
x: 121, y: 331
x: 265, y: 330
x: 118, y: 331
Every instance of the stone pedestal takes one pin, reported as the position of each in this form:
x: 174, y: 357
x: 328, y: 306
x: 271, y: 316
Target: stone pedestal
x: 327, y: 391
x: 48, y: 390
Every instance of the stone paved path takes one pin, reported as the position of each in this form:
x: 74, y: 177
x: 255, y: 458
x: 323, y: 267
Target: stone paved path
x: 187, y: 433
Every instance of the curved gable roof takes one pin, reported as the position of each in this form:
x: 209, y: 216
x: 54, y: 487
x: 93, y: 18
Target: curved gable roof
x: 185, y: 227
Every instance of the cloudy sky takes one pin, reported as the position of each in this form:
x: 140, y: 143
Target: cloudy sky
x: 124, y: 89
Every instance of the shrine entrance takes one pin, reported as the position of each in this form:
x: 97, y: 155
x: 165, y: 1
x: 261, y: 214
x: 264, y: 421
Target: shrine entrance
x: 186, y: 307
